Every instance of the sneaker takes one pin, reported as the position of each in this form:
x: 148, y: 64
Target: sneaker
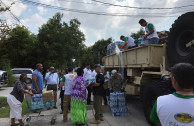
x: 101, y: 119
x: 95, y: 121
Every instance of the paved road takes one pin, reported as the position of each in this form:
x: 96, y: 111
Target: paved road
x: 136, y: 118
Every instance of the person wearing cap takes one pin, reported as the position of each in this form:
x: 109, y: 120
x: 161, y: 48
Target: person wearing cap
x: 116, y: 82
x: 98, y: 92
x: 88, y: 75
x: 37, y: 78
x: 16, y: 97
x: 52, y: 79
x: 129, y: 42
x: 176, y: 109
x: 151, y: 33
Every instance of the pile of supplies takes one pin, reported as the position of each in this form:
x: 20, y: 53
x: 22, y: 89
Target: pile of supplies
x: 118, y: 104
x: 44, y: 100
x: 141, y: 42
x: 111, y: 47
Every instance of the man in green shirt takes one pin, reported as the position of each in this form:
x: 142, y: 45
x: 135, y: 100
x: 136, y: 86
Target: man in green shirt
x: 150, y: 30
x: 177, y: 109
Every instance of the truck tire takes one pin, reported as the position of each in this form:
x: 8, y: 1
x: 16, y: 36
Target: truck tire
x: 181, y: 33
x: 151, y: 91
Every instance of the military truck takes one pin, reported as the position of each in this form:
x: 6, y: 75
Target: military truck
x: 145, y: 68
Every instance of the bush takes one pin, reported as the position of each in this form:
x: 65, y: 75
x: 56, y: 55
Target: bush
x: 11, y: 78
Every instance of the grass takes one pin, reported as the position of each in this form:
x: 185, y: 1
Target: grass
x: 5, y: 109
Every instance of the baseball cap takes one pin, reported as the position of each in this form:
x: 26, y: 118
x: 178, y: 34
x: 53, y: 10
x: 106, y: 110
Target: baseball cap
x: 114, y: 71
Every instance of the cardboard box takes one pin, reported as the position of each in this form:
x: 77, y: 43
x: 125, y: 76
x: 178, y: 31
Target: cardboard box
x: 47, y: 96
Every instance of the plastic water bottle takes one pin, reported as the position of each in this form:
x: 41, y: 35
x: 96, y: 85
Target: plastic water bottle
x: 142, y: 42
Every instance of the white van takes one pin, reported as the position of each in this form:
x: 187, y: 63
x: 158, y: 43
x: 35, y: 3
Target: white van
x: 18, y: 71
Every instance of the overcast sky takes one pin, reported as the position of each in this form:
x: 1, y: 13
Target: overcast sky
x: 100, y: 27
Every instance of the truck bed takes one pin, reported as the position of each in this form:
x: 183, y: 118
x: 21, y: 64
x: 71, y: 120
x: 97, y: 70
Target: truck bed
x: 150, y: 56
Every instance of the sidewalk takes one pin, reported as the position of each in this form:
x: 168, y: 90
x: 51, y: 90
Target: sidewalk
x: 136, y: 118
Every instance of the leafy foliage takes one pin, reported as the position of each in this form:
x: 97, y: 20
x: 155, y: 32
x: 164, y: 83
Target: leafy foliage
x: 11, y: 78
x: 19, y: 48
x: 4, y: 27
x: 138, y: 34
x: 59, y: 43
x: 93, y: 55
x: 56, y: 44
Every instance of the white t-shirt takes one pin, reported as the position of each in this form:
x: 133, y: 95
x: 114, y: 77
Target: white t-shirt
x: 52, y: 79
x: 130, y: 41
x: 87, y: 74
x: 94, y: 73
x: 153, y: 35
x: 174, y: 110
x: 68, y: 83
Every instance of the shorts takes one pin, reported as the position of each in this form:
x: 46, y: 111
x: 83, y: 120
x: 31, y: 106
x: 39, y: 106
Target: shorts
x: 52, y: 87
x: 15, y: 107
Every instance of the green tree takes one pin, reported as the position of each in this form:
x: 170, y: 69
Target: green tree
x: 19, y: 48
x: 59, y: 43
x: 93, y: 55
x: 4, y: 27
x: 11, y: 78
x: 100, y: 49
x: 87, y: 57
x: 138, y: 34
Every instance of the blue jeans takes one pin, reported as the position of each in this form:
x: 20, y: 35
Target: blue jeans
x: 153, y: 41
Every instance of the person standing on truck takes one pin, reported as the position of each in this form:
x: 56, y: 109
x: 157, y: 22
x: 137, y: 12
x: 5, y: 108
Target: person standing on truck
x: 88, y: 75
x: 67, y: 81
x: 129, y: 42
x: 16, y: 97
x: 150, y: 30
x: 37, y: 78
x: 116, y: 82
x: 98, y: 92
x: 176, y: 109
x: 52, y: 83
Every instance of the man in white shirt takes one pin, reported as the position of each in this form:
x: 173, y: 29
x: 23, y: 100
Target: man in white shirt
x: 88, y: 75
x: 52, y: 79
x: 151, y: 33
x: 177, y: 109
x: 129, y: 42
x: 94, y: 73
x: 67, y: 81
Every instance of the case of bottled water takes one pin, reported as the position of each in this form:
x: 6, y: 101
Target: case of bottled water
x: 118, y: 105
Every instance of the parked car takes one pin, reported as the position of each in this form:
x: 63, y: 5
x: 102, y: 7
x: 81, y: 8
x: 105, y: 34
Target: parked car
x: 3, y: 78
x: 18, y: 71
